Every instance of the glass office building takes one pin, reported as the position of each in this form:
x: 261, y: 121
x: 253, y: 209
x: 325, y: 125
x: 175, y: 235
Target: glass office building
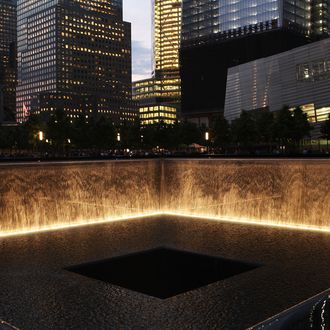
x: 219, y: 34
x: 202, y: 18
x: 158, y: 98
x: 7, y: 60
x: 74, y: 55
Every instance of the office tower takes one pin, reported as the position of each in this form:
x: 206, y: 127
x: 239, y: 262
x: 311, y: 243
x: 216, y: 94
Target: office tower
x: 7, y: 60
x: 219, y: 34
x: 74, y: 55
x: 158, y: 98
x: 320, y: 19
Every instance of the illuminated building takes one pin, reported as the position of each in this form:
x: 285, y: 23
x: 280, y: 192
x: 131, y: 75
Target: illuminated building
x: 219, y: 34
x: 159, y: 97
x: 7, y: 60
x: 74, y: 55
x: 298, y: 77
x: 320, y: 19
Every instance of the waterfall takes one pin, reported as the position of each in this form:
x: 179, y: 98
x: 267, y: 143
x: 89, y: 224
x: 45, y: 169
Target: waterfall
x: 46, y: 195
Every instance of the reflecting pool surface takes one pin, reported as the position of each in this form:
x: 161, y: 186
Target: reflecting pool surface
x: 38, y: 292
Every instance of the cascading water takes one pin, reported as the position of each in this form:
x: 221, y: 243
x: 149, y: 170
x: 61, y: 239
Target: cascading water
x: 36, y: 196
x: 289, y: 192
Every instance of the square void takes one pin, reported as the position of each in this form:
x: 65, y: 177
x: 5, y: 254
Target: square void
x: 162, y: 272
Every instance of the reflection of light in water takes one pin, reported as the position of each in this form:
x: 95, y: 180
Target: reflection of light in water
x: 317, y: 317
x: 322, y: 315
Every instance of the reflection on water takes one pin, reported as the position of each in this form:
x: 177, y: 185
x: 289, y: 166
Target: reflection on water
x: 294, y: 192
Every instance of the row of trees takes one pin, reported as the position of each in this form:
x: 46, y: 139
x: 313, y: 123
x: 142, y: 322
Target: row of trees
x: 253, y: 129
x: 264, y: 128
x: 59, y: 134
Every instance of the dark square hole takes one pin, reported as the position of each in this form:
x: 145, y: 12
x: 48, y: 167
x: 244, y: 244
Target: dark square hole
x: 162, y: 272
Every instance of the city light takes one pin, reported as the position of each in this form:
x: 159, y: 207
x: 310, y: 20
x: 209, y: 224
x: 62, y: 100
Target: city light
x: 164, y: 149
x: 40, y: 136
x: 149, y: 215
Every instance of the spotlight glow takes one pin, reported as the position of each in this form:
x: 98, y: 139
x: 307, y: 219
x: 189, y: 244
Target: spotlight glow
x: 253, y: 222
x: 232, y: 220
x: 85, y: 223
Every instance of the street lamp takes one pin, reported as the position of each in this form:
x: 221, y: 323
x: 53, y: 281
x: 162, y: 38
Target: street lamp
x: 41, y: 136
x: 207, y: 136
x: 118, y: 137
x: 207, y: 139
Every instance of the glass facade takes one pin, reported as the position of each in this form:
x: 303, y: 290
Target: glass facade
x: 7, y: 60
x: 312, y: 71
x: 74, y: 55
x: 320, y: 17
x: 167, y: 34
x: 298, y: 77
x: 235, y: 14
x: 220, y: 34
x: 230, y: 18
x: 163, y: 90
x: 155, y: 114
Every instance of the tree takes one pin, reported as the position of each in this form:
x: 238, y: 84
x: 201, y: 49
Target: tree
x: 59, y: 129
x: 155, y: 135
x: 130, y: 135
x: 81, y: 133
x: 8, y: 137
x: 32, y: 127
x: 244, y: 129
x: 188, y: 133
x: 301, y: 127
x: 265, y: 126
x: 283, y: 126
x: 325, y: 129
x: 221, y: 130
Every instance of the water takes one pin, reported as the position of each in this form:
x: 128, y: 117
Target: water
x: 41, y: 195
x: 38, y: 292
x: 289, y: 192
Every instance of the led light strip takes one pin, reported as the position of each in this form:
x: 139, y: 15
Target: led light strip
x: 86, y: 223
x: 224, y: 219
x: 247, y: 221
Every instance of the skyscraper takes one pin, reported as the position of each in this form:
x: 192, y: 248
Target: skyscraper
x: 219, y: 34
x: 159, y: 97
x: 7, y: 59
x: 204, y: 18
x: 74, y: 55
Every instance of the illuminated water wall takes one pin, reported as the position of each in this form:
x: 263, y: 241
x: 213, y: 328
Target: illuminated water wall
x: 293, y: 192
x: 38, y: 196
x: 290, y: 192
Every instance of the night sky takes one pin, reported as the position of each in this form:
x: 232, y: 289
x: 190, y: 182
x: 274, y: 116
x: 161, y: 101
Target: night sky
x: 138, y: 12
